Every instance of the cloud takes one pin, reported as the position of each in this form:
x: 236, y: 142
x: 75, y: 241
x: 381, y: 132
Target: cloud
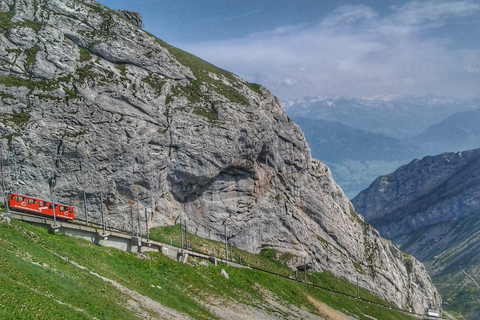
x: 433, y: 11
x: 350, y: 14
x: 288, y: 82
x: 355, y: 51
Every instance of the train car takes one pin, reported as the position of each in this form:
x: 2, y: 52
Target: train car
x: 433, y: 313
x: 38, y: 206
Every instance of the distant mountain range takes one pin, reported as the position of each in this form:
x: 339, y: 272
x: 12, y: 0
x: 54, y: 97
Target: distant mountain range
x: 361, y: 139
x: 333, y: 141
x: 431, y: 209
x: 396, y: 116
x: 460, y: 131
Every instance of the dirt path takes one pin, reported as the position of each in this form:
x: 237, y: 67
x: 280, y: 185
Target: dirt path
x: 142, y: 306
x: 328, y: 312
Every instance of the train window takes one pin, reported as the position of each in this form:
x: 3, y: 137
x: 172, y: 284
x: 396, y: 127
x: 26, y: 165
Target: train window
x: 31, y: 201
x: 62, y: 208
x: 20, y: 198
x: 13, y: 197
x: 70, y: 210
x: 41, y: 203
x: 50, y: 206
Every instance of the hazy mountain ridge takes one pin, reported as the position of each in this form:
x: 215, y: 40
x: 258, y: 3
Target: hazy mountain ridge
x: 460, y: 131
x: 334, y: 142
x: 92, y: 101
x: 375, y: 136
x: 397, y: 116
x: 431, y: 209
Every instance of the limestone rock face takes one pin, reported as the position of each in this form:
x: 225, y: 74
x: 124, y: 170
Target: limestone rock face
x: 435, y: 200
x: 436, y: 189
x: 431, y: 209
x: 92, y: 100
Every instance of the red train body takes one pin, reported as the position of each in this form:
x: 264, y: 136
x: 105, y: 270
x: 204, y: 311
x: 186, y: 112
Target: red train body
x: 43, y: 207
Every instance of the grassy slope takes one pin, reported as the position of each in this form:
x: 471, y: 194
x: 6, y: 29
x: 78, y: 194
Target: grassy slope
x: 445, y: 260
x: 37, y: 282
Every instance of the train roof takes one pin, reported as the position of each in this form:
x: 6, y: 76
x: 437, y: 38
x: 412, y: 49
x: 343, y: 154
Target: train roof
x: 36, y: 198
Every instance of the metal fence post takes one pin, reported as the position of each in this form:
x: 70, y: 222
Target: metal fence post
x: 305, y: 270
x: 187, y: 245
x: 15, y: 167
x: 131, y: 220
x: 358, y: 289
x: 181, y: 234
x: 230, y: 242
x: 226, y: 245
x: 85, y: 207
x: 5, y: 200
x: 54, y: 215
x: 146, y: 224
x: 103, y: 218
x: 139, y: 234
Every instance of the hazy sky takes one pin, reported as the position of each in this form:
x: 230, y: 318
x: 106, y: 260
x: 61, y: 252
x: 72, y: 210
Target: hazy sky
x: 300, y: 48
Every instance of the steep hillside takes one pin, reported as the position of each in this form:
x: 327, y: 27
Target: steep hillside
x: 90, y: 102
x: 431, y: 209
x: 54, y: 276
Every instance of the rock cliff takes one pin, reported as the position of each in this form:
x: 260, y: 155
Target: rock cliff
x: 431, y: 209
x: 425, y: 192
x: 90, y: 99
x: 132, y: 16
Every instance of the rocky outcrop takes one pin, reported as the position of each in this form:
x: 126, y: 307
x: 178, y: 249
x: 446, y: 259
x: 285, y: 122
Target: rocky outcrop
x: 431, y: 209
x: 104, y: 107
x: 132, y: 16
x: 425, y: 192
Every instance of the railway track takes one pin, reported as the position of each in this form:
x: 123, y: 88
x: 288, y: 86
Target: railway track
x: 201, y: 254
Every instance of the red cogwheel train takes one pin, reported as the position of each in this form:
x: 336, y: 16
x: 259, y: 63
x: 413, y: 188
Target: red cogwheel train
x: 39, y: 206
